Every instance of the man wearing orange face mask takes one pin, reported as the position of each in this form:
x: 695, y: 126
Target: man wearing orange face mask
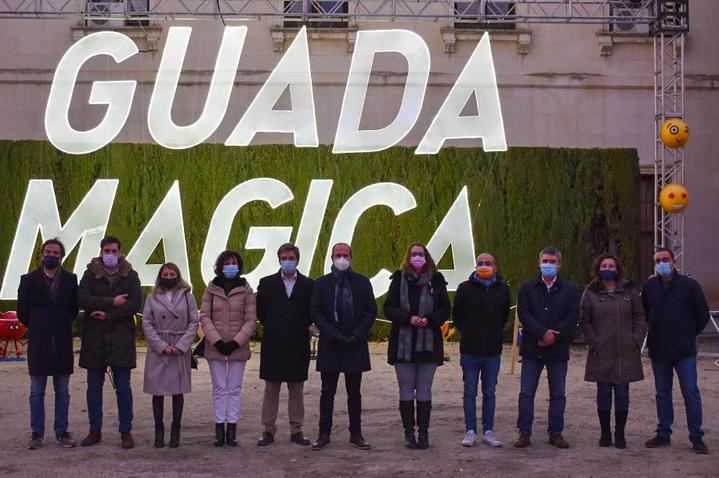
x: 481, y: 309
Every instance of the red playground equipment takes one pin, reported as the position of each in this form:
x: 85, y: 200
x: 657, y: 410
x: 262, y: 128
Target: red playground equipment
x: 12, y: 332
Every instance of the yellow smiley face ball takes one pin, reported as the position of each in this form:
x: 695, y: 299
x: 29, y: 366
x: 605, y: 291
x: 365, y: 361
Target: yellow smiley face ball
x: 674, y: 198
x: 674, y: 133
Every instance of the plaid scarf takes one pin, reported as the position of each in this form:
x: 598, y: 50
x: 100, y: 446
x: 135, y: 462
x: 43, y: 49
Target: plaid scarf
x: 424, y: 341
x: 344, y: 305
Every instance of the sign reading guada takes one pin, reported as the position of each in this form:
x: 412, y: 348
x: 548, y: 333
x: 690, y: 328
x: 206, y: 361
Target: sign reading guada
x: 477, y: 78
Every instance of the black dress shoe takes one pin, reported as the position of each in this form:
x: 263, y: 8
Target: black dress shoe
x: 322, y: 441
x: 359, y: 441
x: 267, y: 439
x: 657, y: 441
x: 300, y: 439
x: 699, y: 447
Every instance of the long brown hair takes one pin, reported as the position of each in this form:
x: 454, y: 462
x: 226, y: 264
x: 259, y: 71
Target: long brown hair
x: 598, y: 262
x: 181, y: 284
x: 429, y: 265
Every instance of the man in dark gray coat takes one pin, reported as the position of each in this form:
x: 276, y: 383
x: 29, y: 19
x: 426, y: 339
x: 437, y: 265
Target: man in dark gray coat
x: 283, y: 309
x: 344, y: 309
x: 110, y: 294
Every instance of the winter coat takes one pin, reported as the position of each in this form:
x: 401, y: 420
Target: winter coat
x: 285, y: 352
x: 399, y: 317
x: 540, y: 310
x: 169, y: 321
x: 228, y: 317
x: 480, y: 313
x: 331, y: 357
x: 109, y: 342
x: 614, y: 327
x: 48, y: 321
x: 676, y: 315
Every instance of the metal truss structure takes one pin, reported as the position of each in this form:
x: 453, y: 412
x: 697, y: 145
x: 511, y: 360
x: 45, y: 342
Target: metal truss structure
x: 668, y: 21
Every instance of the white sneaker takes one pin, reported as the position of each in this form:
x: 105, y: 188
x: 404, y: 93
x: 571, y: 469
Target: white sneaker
x: 469, y: 438
x: 490, y: 439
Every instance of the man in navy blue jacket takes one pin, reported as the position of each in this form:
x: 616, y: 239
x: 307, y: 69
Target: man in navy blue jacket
x: 548, y: 308
x: 677, y: 312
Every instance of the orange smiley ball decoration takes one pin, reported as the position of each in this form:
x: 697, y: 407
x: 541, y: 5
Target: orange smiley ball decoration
x: 674, y: 198
x: 674, y: 133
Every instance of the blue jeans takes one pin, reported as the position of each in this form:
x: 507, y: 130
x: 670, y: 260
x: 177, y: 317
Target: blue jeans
x: 61, y: 383
x: 556, y: 377
x: 663, y: 380
x: 95, y: 382
x: 472, y: 367
x: 621, y: 396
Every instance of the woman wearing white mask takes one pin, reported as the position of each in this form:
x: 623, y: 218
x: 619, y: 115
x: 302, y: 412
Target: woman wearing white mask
x: 417, y: 304
x: 228, y: 318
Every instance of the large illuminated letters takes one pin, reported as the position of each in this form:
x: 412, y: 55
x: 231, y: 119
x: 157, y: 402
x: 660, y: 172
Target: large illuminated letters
x: 397, y: 197
x: 311, y: 221
x: 117, y: 95
x: 86, y: 225
x: 293, y: 72
x: 159, y: 116
x: 478, y: 77
x: 166, y: 225
x: 274, y: 193
x: 349, y: 138
x: 455, y: 230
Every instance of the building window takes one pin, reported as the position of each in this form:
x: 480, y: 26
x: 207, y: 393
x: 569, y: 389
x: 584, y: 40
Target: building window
x: 117, y: 13
x: 483, y: 15
x: 325, y: 14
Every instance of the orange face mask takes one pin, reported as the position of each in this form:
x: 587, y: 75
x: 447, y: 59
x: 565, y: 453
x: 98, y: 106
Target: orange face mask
x: 484, y: 272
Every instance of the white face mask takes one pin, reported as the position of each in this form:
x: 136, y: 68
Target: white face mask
x: 342, y: 263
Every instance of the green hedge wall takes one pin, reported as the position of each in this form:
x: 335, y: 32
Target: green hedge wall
x: 584, y: 201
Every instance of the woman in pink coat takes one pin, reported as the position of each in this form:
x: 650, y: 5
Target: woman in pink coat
x: 228, y: 318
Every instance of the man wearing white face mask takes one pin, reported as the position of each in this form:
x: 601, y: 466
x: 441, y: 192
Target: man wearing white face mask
x: 283, y: 309
x: 343, y: 308
x: 548, y: 308
x: 677, y: 312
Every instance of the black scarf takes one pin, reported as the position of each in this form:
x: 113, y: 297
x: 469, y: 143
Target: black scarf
x: 344, y: 305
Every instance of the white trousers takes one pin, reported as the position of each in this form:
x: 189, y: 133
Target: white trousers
x: 227, y: 389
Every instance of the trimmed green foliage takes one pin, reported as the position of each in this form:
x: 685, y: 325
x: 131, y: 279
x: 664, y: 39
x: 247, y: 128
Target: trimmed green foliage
x: 583, y: 201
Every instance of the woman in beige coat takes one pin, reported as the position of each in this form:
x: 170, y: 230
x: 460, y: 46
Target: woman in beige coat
x: 170, y: 323
x: 612, y: 320
x: 228, y: 319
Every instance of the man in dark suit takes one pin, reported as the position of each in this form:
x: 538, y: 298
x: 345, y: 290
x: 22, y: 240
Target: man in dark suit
x: 283, y: 309
x: 47, y: 305
x: 344, y: 309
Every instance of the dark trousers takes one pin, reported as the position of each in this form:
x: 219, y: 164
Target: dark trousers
x: 556, y: 376
x: 353, y: 382
x: 686, y: 370
x: 621, y: 396
x: 123, y: 391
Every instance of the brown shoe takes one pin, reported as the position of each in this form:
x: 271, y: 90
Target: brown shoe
x: 558, y: 440
x: 300, y: 439
x: 92, y: 438
x: 358, y: 440
x: 127, y: 440
x: 35, y: 442
x: 65, y: 440
x: 523, y: 440
x: 267, y: 439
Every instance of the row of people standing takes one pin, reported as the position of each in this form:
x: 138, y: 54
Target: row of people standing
x: 343, y: 307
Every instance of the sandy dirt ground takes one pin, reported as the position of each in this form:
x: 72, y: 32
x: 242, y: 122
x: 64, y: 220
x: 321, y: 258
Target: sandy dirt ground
x: 381, y: 426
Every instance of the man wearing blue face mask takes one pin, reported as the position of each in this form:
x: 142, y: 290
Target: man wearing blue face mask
x: 283, y: 309
x: 677, y: 312
x: 548, y: 309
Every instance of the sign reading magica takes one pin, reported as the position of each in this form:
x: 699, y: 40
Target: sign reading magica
x: 89, y: 221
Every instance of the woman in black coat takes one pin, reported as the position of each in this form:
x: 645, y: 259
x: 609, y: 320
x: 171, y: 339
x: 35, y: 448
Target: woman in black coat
x: 417, y: 304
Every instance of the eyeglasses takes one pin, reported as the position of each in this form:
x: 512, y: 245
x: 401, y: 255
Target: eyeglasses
x: 657, y: 260
x: 485, y: 264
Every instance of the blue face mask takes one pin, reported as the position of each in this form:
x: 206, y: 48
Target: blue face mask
x: 230, y: 270
x: 664, y: 269
x: 288, y: 267
x: 607, y: 274
x: 549, y: 270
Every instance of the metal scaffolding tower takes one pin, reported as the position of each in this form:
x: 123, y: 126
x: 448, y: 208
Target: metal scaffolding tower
x: 668, y: 21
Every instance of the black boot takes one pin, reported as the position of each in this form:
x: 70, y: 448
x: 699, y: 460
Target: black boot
x: 219, y: 434
x: 406, y: 411
x: 604, y: 422
x: 231, y: 434
x: 178, y: 401
x: 620, y: 421
x: 424, y: 410
x: 157, y: 412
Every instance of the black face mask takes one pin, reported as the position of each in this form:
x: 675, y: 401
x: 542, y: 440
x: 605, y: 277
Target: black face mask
x: 50, y: 262
x: 168, y: 283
